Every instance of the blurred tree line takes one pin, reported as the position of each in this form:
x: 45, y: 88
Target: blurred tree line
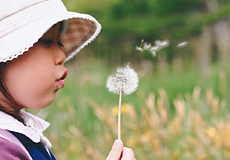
x: 205, y: 24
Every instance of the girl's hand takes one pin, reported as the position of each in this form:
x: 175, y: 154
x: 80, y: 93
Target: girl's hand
x: 119, y: 152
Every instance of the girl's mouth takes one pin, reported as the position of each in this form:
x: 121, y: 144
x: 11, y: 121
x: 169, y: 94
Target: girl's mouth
x: 61, y: 81
x: 64, y: 74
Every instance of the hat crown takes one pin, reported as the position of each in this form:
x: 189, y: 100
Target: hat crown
x: 23, y: 22
x: 6, y: 7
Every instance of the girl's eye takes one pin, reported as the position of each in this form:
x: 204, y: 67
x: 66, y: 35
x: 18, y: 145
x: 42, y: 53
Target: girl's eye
x: 60, y: 45
x: 47, y: 42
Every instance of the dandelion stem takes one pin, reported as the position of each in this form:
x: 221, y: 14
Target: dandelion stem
x: 119, y: 116
x: 141, y: 42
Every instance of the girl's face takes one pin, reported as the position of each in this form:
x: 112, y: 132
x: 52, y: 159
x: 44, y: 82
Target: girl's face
x: 34, y: 78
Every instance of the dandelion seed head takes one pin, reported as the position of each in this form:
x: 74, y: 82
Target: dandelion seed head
x: 126, y: 80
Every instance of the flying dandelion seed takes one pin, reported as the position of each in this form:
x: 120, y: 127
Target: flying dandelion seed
x: 146, y: 46
x: 125, y: 81
x: 157, y: 42
x: 182, y: 44
x: 153, y: 49
x: 164, y: 43
x: 139, y: 49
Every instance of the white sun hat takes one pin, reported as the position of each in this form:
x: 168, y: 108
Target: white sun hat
x: 23, y: 23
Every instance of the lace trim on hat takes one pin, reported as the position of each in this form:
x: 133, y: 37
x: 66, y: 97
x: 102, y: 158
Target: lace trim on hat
x: 81, y: 32
x: 17, y: 54
x: 73, y: 53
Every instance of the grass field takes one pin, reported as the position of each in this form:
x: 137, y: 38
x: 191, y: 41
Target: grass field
x: 176, y: 113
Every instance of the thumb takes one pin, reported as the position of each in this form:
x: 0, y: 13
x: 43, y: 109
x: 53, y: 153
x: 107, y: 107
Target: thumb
x: 117, y: 149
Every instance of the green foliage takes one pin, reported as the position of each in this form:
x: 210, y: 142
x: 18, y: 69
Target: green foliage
x: 124, y: 9
x: 126, y: 22
x: 168, y: 7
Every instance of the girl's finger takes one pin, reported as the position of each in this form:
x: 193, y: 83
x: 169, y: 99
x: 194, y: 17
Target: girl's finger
x: 117, y: 149
x: 128, y: 154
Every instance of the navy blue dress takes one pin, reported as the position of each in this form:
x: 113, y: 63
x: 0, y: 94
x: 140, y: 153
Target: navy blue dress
x: 36, y: 150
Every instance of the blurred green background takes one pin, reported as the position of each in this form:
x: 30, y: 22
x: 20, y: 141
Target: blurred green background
x: 181, y: 107
x: 126, y: 22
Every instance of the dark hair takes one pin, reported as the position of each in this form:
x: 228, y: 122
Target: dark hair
x: 5, y: 92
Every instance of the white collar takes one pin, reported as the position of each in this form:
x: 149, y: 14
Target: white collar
x: 34, y: 133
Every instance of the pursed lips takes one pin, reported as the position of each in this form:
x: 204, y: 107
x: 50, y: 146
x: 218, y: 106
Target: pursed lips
x: 61, y: 81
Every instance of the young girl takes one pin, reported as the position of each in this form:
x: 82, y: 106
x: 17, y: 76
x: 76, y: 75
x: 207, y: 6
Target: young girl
x: 36, y: 38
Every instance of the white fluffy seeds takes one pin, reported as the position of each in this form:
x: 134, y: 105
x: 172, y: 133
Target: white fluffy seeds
x: 125, y: 80
x: 153, y: 49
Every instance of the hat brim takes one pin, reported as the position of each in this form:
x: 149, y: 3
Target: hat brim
x: 82, y: 30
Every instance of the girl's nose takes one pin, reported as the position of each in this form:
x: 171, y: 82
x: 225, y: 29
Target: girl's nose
x: 59, y: 55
